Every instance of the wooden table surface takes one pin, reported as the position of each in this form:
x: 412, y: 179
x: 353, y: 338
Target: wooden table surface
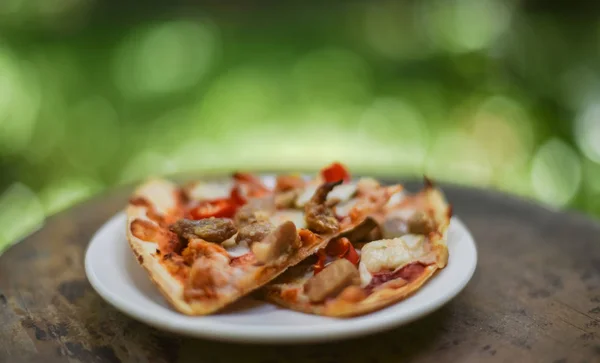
x: 535, y: 297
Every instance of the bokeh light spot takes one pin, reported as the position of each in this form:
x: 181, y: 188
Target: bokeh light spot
x: 332, y: 76
x: 456, y: 156
x: 398, y: 127
x: 147, y: 164
x: 501, y: 126
x: 20, y: 213
x: 11, y: 7
x: 240, y: 99
x: 65, y: 192
x: 19, y: 102
x: 390, y: 31
x: 464, y: 25
x: 556, y: 173
x: 164, y: 58
x: 93, y: 121
x: 587, y: 131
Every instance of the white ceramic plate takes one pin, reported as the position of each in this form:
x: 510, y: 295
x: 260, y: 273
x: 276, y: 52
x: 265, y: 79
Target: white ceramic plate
x: 115, y: 274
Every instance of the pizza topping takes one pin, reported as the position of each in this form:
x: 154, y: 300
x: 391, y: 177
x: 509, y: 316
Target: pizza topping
x: 342, y: 248
x: 391, y: 254
x: 407, y: 221
x: 284, y: 215
x: 341, y: 193
x: 206, y: 190
x: 394, y: 227
x: 198, y: 248
x: 286, y: 183
x: 218, y: 208
x: 372, y: 202
x: 253, y: 186
x: 211, y: 229
x: 257, y: 209
x: 305, y: 195
x: 206, y: 275
x: 278, y: 242
x: 420, y: 223
x: 367, y: 185
x: 320, y: 264
x: 335, y: 172
x: 254, y: 232
x: 148, y: 231
x: 246, y: 259
x: 332, y: 280
x: 405, y: 275
x: 286, y: 199
x: 318, y: 216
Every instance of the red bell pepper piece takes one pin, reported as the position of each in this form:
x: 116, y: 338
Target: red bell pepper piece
x: 342, y: 248
x: 335, y: 172
x: 218, y: 208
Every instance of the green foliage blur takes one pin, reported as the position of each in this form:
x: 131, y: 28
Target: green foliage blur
x: 489, y: 93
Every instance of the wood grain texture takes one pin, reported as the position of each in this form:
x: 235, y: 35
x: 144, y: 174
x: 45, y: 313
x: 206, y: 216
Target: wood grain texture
x: 535, y: 297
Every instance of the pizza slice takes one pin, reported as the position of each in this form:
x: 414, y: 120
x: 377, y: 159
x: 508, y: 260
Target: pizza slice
x: 391, y: 245
x: 206, y: 244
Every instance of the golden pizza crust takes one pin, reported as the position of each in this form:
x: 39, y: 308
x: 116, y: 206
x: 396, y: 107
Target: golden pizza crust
x: 341, y: 308
x: 383, y: 296
x: 162, y: 196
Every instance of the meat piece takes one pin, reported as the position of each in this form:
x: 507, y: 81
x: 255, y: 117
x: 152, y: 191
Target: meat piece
x: 417, y: 222
x: 420, y: 223
x: 286, y: 199
x: 210, y: 229
x: 282, y: 239
x: 406, y: 274
x: 319, y: 217
x: 254, y: 232
x: 395, y: 227
x: 332, y: 280
x: 257, y: 209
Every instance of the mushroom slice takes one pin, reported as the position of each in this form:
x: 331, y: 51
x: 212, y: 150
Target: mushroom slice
x: 332, y: 280
x: 320, y: 217
x: 282, y: 239
x: 210, y: 229
x: 254, y: 232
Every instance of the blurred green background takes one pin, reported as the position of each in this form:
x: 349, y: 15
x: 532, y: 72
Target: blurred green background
x: 499, y: 94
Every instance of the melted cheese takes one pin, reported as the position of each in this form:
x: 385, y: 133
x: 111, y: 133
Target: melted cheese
x: 392, y: 254
x: 365, y: 275
x: 210, y: 190
x: 305, y: 195
x: 343, y: 192
x: 396, y: 199
x: 283, y: 215
x: 238, y: 250
x: 343, y: 209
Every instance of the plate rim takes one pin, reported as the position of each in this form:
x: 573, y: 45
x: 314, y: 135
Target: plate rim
x: 269, y: 334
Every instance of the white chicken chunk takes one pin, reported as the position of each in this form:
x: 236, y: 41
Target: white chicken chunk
x: 390, y: 255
